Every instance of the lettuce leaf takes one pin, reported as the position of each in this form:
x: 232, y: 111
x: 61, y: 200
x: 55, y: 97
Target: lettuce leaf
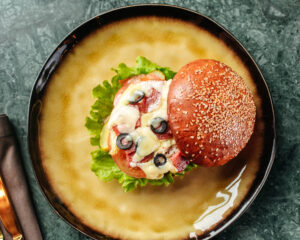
x: 102, y: 163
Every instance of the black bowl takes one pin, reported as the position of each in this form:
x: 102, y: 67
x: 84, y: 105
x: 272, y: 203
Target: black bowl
x: 266, y: 158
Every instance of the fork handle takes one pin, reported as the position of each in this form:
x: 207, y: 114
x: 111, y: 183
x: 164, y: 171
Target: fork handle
x: 7, y: 214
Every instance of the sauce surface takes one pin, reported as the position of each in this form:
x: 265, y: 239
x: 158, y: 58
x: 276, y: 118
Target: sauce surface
x: 189, y: 206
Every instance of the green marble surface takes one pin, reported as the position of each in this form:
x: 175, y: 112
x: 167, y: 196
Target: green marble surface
x: 270, y: 30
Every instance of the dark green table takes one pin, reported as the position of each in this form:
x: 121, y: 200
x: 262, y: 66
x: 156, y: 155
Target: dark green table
x: 270, y: 30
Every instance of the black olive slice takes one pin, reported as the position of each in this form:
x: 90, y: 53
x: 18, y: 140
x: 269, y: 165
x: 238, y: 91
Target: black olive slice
x: 159, y: 125
x: 137, y: 96
x: 160, y: 160
x: 124, y: 141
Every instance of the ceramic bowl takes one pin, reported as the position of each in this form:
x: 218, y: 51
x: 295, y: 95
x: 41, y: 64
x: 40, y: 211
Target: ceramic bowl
x: 158, y: 10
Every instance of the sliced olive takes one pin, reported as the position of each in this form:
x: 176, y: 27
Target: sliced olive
x: 124, y: 141
x: 160, y: 160
x: 137, y: 96
x: 159, y: 125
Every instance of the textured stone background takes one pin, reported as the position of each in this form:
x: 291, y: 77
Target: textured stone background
x: 269, y: 29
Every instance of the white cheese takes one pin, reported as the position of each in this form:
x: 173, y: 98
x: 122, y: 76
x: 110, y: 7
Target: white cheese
x: 125, y: 117
x: 165, y: 145
x: 153, y: 172
x: 147, y: 143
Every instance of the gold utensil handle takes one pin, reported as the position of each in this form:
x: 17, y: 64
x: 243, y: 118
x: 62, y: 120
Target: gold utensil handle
x: 7, y: 215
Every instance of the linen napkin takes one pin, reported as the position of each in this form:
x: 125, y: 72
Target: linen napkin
x: 13, y: 177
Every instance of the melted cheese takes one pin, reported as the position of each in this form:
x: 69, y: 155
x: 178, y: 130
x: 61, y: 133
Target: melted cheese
x: 125, y: 117
x: 153, y: 172
x: 159, y: 109
x: 165, y: 145
x: 147, y: 143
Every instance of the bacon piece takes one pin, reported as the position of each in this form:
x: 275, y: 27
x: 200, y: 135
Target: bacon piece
x: 165, y: 136
x: 126, y: 82
x: 146, y: 102
x: 178, y: 161
x: 154, y: 98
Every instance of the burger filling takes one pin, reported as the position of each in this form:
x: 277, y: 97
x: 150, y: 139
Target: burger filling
x: 138, y: 125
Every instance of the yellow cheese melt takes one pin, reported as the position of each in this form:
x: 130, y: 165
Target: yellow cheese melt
x: 147, y: 143
x: 125, y: 117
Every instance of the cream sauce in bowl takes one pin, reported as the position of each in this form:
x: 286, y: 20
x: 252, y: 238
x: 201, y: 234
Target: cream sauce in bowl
x: 190, y: 206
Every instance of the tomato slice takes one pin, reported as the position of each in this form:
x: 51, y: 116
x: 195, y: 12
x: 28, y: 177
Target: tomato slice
x: 126, y: 83
x: 123, y: 159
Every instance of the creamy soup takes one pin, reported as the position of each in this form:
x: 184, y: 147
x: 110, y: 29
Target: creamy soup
x: 188, y: 207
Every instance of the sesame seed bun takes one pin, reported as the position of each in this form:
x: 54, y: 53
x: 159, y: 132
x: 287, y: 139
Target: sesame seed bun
x: 211, y: 112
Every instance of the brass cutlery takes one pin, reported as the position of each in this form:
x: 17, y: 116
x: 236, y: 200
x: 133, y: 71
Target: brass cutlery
x: 7, y: 215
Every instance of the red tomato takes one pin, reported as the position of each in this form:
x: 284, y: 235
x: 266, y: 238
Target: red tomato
x: 122, y: 158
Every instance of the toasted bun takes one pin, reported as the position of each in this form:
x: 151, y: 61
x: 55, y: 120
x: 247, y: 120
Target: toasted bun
x: 211, y: 112
x: 122, y: 161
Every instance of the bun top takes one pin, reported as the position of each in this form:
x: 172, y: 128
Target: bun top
x: 211, y: 112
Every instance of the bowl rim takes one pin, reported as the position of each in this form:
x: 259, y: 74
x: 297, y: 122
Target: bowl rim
x: 50, y: 65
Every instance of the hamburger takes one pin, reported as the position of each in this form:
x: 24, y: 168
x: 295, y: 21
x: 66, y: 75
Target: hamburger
x: 211, y: 112
x: 162, y: 124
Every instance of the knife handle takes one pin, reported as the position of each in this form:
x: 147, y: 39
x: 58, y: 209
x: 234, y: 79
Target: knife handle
x: 7, y: 214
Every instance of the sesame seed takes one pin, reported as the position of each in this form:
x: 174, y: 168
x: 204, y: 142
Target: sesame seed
x: 219, y: 102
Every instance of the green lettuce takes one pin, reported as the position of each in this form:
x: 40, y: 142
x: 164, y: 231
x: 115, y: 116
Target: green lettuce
x: 102, y: 163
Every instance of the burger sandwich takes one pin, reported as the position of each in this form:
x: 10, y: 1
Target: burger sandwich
x: 150, y: 124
